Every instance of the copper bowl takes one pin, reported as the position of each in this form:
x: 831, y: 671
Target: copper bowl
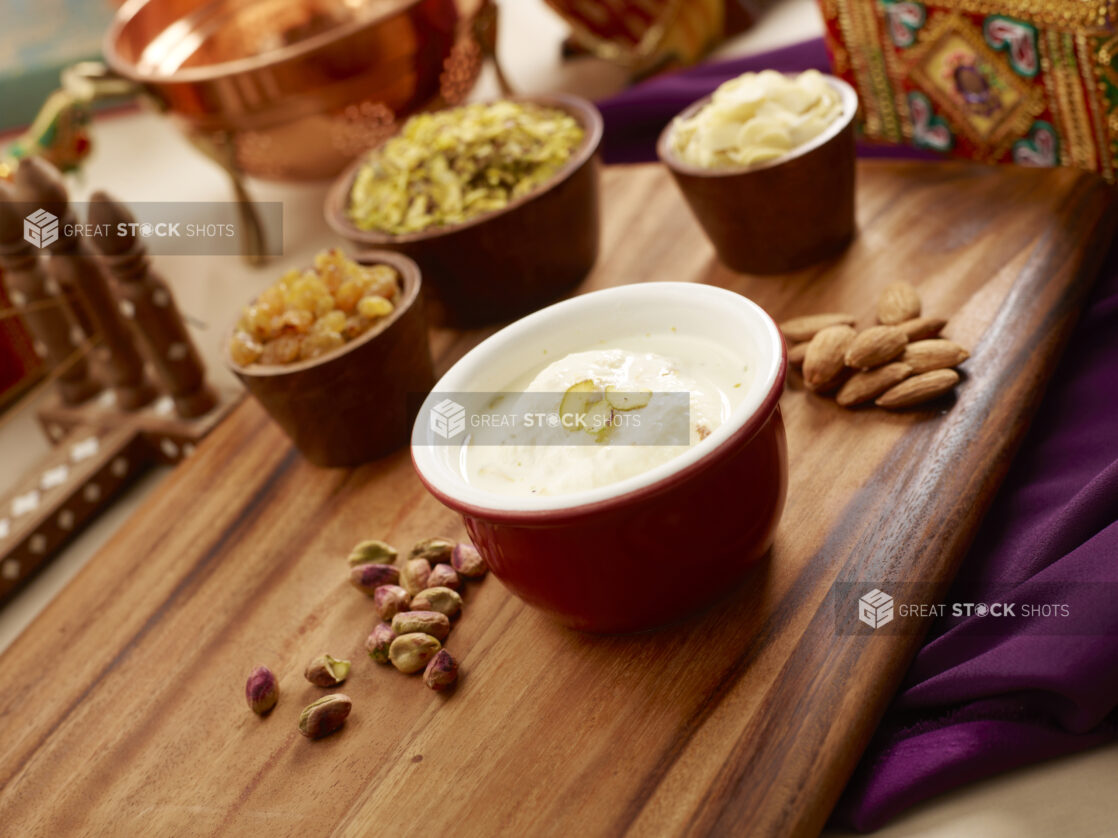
x: 296, y: 88
x: 356, y: 403
x: 510, y: 261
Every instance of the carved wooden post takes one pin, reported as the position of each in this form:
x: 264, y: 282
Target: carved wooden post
x: 46, y: 315
x: 157, y: 318
x: 74, y: 265
x: 37, y: 181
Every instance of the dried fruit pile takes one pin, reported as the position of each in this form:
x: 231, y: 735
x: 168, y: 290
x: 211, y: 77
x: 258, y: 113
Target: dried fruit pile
x: 901, y: 362
x: 416, y: 602
x: 309, y: 313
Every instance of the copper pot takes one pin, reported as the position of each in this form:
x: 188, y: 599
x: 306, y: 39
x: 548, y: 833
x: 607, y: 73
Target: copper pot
x: 295, y: 89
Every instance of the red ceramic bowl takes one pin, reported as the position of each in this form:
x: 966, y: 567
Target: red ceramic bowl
x: 651, y: 548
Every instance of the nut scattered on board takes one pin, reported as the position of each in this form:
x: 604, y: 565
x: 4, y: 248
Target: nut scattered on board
x: 898, y: 302
x: 373, y: 552
x: 937, y: 354
x: 409, y: 642
x: 875, y: 346
x: 869, y: 384
x: 368, y: 577
x: 321, y: 718
x: 380, y: 639
x: 415, y: 574
x: 919, y: 389
x: 390, y: 600
x: 432, y: 549
x: 326, y: 671
x: 410, y: 652
x: 920, y: 328
x: 261, y: 690
x: 468, y: 561
x: 444, y: 600
x: 444, y: 576
x: 824, y: 362
x: 802, y: 329
x: 878, y: 363
x: 434, y: 623
x: 442, y: 672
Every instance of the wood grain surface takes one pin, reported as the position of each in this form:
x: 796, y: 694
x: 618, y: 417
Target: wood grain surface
x: 122, y: 709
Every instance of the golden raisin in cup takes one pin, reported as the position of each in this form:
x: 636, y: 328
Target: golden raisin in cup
x: 309, y: 313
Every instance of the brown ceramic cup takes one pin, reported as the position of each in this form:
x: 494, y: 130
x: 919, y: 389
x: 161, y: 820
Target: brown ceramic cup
x: 510, y: 261
x: 781, y: 215
x: 353, y: 405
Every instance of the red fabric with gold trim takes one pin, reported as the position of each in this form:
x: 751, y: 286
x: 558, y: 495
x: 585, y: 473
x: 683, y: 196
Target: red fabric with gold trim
x: 1000, y: 81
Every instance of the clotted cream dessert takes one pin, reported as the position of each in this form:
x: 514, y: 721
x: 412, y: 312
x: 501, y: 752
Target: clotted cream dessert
x: 755, y: 118
x: 620, y: 410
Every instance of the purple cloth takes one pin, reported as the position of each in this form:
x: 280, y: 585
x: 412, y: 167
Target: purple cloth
x: 635, y: 118
x: 975, y: 703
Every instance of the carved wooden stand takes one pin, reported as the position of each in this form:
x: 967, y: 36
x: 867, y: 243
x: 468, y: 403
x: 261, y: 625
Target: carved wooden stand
x: 106, y: 429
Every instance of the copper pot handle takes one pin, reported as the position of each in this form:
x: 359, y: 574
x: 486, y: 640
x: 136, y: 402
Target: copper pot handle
x: 485, y: 31
x: 220, y: 149
x: 93, y: 81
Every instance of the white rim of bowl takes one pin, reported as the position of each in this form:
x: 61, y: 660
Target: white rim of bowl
x: 443, y: 476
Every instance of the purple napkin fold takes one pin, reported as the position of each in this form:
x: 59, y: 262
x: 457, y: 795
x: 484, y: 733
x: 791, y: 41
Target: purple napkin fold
x: 633, y: 119
x: 975, y: 701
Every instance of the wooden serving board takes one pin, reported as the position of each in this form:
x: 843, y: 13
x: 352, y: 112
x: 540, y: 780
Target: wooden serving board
x: 122, y: 705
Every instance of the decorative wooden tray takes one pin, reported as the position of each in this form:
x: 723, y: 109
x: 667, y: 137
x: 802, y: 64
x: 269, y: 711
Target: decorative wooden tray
x: 123, y: 702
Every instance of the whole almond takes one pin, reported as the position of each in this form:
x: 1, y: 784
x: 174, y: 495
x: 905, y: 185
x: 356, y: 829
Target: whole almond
x: 800, y: 329
x: 897, y: 303
x: 918, y: 389
x: 936, y: 354
x: 875, y: 346
x: 864, y: 386
x: 796, y: 354
x: 823, y: 360
x: 920, y: 328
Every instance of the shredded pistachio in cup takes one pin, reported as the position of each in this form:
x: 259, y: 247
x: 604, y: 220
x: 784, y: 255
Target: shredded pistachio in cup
x: 449, y: 166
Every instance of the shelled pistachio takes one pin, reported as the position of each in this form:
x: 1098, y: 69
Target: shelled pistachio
x: 321, y: 718
x: 390, y: 600
x: 379, y: 641
x: 442, y: 671
x: 261, y: 690
x: 433, y: 623
x: 468, y: 561
x: 373, y: 552
x: 410, y: 652
x: 327, y: 671
x: 368, y: 577
x: 441, y: 599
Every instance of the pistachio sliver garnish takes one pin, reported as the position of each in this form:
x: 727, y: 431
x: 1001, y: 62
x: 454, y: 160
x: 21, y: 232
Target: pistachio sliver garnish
x: 448, y: 166
x: 599, y: 420
x: 627, y: 399
x: 577, y: 402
